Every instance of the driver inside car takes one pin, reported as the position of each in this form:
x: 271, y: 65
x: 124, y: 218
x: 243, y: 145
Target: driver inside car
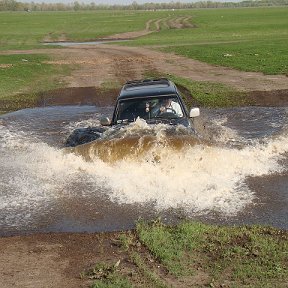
x: 170, y: 106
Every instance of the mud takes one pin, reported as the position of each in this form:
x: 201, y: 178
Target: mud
x: 131, y: 148
x: 78, y: 96
x: 274, y: 98
x: 107, y: 97
x: 54, y: 260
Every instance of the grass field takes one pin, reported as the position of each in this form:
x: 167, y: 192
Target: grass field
x: 17, y: 71
x: 22, y: 30
x: 257, y: 56
x: 221, y: 25
x: 253, y: 39
x: 23, y: 76
x: 246, y: 39
x: 192, y: 254
x: 256, y: 38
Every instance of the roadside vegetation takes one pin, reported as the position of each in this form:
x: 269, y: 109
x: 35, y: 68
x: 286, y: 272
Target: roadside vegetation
x: 193, y: 254
x: 23, y: 76
x: 209, y: 94
x: 204, y: 94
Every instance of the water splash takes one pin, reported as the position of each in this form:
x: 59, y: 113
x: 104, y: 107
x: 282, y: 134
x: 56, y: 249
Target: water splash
x: 137, y: 141
x: 197, y: 178
x: 194, y: 176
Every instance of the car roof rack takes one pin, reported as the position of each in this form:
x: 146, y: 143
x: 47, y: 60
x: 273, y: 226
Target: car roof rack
x: 145, y: 87
x: 147, y: 81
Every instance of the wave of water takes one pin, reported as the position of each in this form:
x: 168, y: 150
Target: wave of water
x: 197, y: 178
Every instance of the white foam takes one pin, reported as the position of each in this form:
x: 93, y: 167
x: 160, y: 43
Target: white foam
x: 224, y: 133
x: 198, y: 179
x: 91, y: 122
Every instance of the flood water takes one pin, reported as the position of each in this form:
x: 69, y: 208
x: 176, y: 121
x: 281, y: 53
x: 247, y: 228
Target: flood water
x: 236, y: 174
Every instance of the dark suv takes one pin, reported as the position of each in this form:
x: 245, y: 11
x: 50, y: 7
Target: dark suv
x: 154, y: 100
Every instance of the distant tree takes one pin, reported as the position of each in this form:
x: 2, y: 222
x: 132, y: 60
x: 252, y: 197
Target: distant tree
x: 77, y: 6
x: 8, y: 5
x: 13, y: 5
x: 135, y: 5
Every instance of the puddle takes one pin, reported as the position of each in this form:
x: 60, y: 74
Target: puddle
x: 241, y: 178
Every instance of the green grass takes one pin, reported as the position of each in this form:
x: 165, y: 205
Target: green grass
x: 168, y: 245
x: 205, y: 94
x: 23, y: 76
x: 256, y: 38
x: 112, y: 282
x: 210, y: 94
x: 254, y: 255
x: 27, y: 30
x: 107, y: 276
x: 193, y: 254
x: 152, y: 279
x: 258, y: 56
x: 220, y: 25
x: 22, y: 29
x: 24, y: 71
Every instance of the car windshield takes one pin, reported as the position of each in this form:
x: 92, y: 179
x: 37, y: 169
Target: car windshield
x: 149, y: 108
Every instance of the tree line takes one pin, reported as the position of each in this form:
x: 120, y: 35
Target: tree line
x: 12, y: 5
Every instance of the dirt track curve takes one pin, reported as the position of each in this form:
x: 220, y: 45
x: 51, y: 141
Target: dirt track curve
x: 105, y: 63
x: 98, y: 64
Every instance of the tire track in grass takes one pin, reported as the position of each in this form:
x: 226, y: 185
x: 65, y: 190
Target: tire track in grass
x: 155, y: 25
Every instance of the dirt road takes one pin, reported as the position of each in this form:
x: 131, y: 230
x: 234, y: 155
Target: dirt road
x: 55, y: 260
x: 98, y: 64
x: 107, y: 63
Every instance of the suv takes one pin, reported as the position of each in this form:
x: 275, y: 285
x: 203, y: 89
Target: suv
x: 154, y: 100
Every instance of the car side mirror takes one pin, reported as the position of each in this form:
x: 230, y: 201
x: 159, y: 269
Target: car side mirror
x: 194, y: 112
x: 105, y: 121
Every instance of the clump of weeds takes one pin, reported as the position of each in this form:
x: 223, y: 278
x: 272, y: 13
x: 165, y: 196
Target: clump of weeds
x: 243, y: 255
x: 193, y: 254
x: 106, y: 276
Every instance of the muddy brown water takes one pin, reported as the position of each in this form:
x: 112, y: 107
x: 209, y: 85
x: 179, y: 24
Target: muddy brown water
x: 240, y: 177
